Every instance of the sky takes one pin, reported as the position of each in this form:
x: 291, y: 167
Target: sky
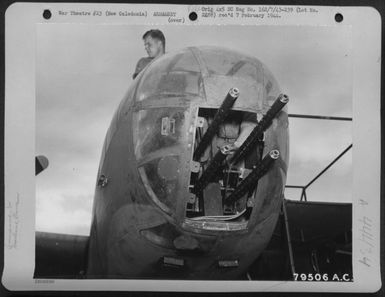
x: 83, y: 71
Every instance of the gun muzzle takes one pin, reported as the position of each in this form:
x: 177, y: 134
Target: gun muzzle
x: 250, y: 182
x: 261, y: 127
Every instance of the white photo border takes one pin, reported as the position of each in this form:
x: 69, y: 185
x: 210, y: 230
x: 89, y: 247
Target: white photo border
x: 19, y: 149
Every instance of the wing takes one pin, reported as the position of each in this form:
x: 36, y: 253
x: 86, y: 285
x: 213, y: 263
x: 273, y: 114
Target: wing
x: 313, y: 223
x: 310, y: 237
x: 60, y: 255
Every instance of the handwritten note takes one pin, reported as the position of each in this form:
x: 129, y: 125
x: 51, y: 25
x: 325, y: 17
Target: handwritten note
x: 12, y: 222
x: 365, y: 236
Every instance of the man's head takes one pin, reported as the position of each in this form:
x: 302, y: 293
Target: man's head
x: 154, y: 43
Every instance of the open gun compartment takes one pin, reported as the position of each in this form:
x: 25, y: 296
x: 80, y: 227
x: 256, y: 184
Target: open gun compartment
x: 212, y: 176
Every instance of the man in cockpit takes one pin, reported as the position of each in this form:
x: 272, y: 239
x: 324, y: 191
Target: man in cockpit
x: 231, y: 135
x: 155, y: 45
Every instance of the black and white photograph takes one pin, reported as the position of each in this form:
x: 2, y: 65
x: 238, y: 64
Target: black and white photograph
x: 169, y: 153
x: 188, y: 150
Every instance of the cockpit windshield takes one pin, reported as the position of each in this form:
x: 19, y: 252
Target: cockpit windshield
x: 230, y: 63
x: 171, y: 76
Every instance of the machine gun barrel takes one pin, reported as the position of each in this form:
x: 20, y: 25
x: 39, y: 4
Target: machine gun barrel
x: 249, y: 183
x: 262, y: 125
x: 210, y: 171
x: 219, y: 117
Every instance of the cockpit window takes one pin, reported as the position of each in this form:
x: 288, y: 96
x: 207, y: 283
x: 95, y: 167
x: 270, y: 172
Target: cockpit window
x: 159, y: 130
x: 170, y: 76
x: 161, y: 176
x: 231, y: 64
x: 160, y: 139
x: 271, y: 85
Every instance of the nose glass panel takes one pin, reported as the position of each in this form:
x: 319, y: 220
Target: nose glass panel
x: 170, y: 76
x: 160, y: 140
